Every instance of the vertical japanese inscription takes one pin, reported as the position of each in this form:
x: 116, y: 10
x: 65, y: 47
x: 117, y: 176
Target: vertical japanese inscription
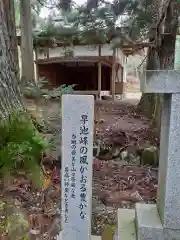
x: 66, y: 192
x: 84, y: 131
x: 73, y: 167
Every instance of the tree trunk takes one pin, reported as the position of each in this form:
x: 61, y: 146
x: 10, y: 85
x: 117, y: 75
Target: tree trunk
x: 10, y: 97
x: 166, y: 51
x: 161, y: 57
x: 147, y: 104
x: 9, y: 11
x: 27, y: 55
x: 150, y: 102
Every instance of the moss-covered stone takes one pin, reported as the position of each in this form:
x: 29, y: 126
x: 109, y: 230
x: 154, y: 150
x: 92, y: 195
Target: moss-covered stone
x: 116, y: 152
x: 95, y: 151
x: 108, y: 232
x: 150, y: 156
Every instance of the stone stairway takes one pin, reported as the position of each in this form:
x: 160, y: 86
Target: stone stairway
x: 126, y: 224
x: 143, y: 223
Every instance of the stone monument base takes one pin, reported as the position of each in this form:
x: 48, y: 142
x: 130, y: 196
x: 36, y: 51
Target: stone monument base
x: 126, y: 224
x: 143, y: 223
x: 93, y: 237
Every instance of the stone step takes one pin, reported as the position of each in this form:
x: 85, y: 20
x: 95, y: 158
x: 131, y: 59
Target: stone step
x: 148, y: 223
x: 126, y: 224
x: 93, y: 237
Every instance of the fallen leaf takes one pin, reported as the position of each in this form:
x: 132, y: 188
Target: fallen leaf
x: 47, y: 182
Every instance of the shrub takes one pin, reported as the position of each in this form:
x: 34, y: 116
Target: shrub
x: 21, y: 145
x: 39, y: 90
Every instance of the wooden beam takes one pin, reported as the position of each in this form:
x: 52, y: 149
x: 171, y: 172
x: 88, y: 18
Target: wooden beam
x: 92, y: 59
x: 106, y: 64
x: 99, y: 79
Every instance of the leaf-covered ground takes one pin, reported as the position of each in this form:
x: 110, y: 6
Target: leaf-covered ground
x: 116, y: 182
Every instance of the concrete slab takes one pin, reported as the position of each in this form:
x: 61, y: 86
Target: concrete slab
x: 148, y: 222
x: 126, y: 224
x: 166, y: 81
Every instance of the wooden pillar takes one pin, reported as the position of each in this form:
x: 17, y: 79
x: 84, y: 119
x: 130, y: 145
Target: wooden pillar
x: 99, y: 50
x: 122, y: 79
x: 99, y: 79
x: 36, y: 65
x: 47, y: 52
x: 113, y: 92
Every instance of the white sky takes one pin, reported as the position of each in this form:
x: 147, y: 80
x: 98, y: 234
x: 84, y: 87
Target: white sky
x: 45, y: 11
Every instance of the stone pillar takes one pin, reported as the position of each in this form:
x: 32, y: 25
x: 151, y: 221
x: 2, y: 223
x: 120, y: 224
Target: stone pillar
x: 77, y: 162
x: 162, y: 221
x: 168, y: 201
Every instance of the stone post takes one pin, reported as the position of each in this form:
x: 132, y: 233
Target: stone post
x: 162, y: 221
x: 77, y: 162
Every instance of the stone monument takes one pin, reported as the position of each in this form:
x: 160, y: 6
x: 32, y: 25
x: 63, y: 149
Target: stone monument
x: 77, y: 161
